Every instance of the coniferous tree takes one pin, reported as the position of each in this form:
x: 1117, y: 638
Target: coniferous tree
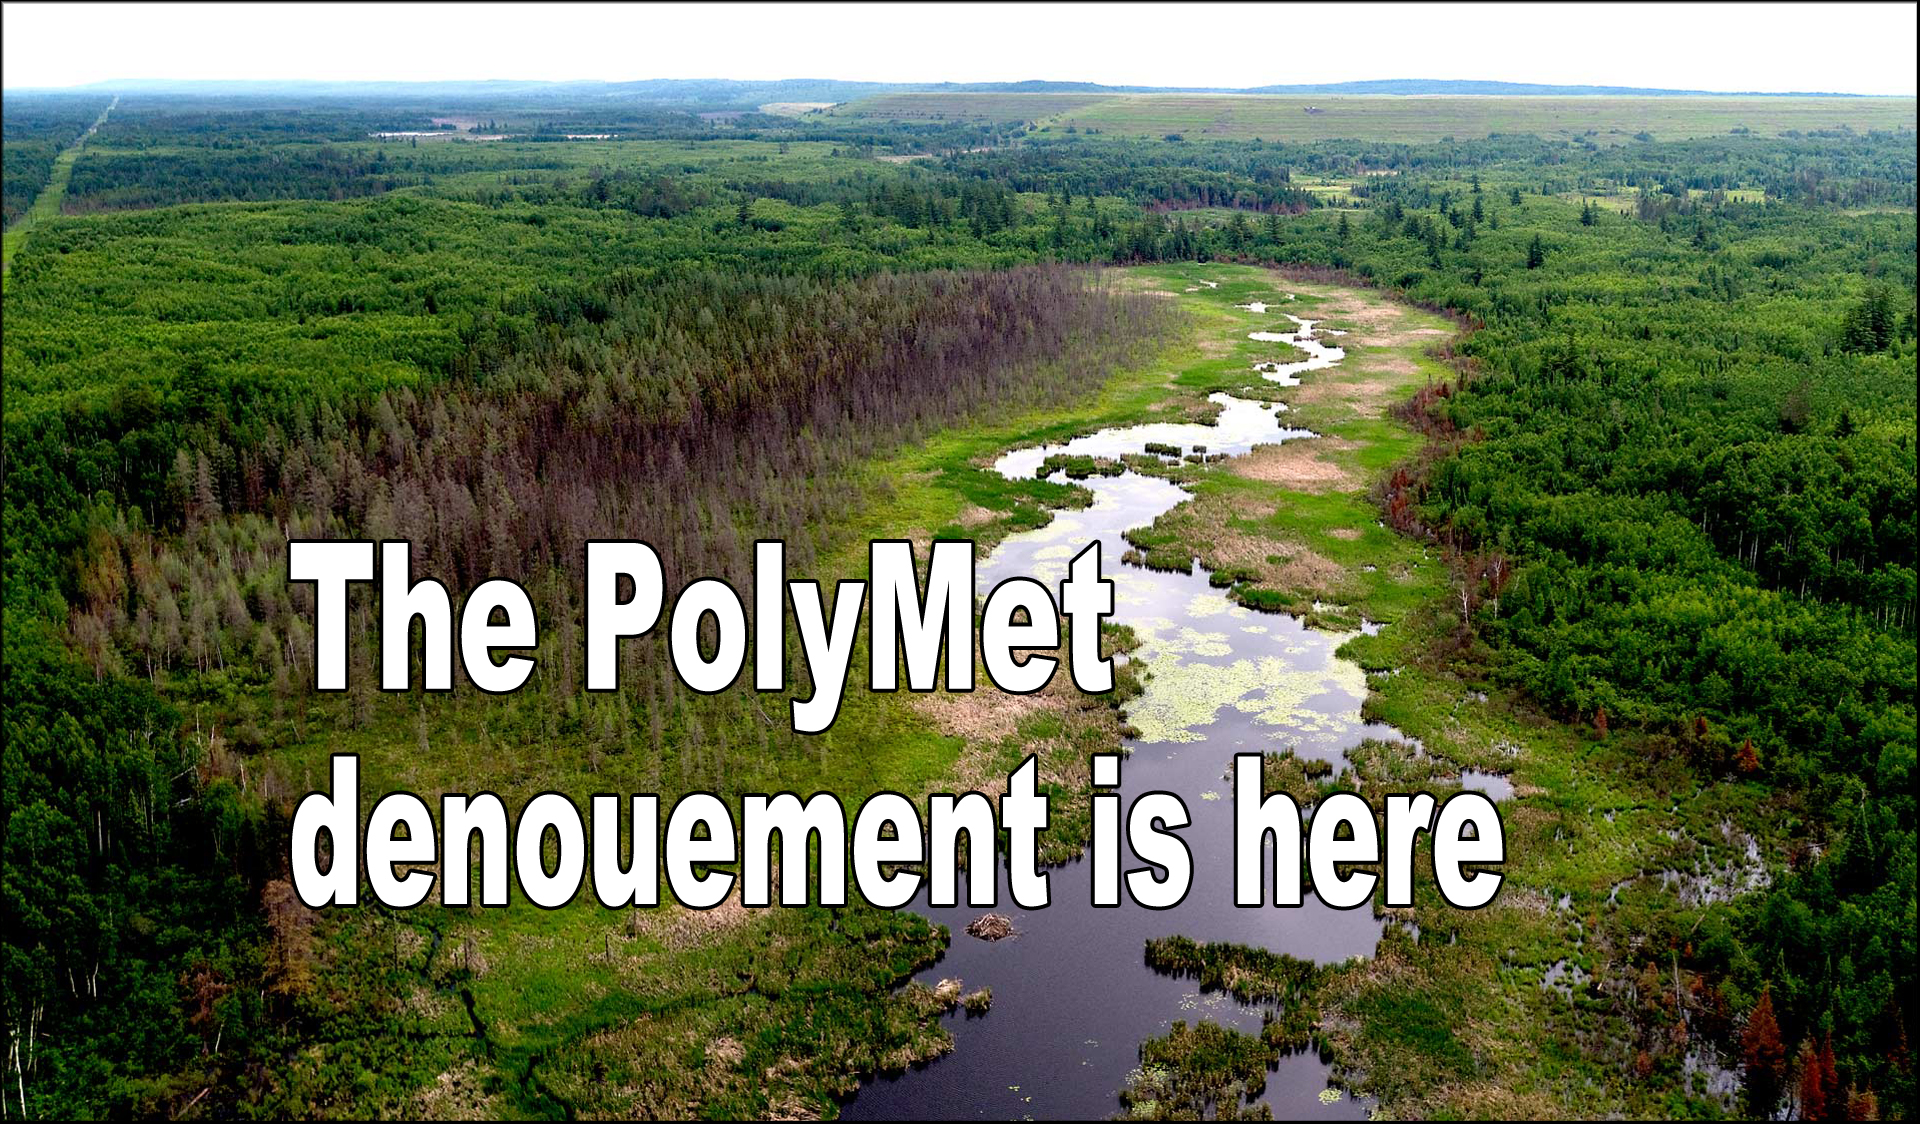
x: 1870, y: 326
x: 1820, y: 1095
x: 1237, y: 234
x: 1764, y: 1055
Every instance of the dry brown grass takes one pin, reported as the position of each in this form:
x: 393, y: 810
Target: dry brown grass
x: 1380, y: 337
x: 1299, y: 465
x: 986, y: 718
x: 1130, y: 281
x: 678, y: 928
x: 986, y: 714
x: 973, y: 515
x: 459, y: 1093
x: 1209, y: 522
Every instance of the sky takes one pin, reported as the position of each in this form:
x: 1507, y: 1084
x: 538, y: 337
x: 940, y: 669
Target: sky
x: 1848, y: 48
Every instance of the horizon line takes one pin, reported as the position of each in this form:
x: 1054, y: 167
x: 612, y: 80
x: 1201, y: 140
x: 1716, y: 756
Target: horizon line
x: 1272, y: 89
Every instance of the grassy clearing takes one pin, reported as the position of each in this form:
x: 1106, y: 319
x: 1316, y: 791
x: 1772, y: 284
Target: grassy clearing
x: 966, y: 107
x: 1605, y: 120
x: 1330, y: 192
x: 1286, y: 117
x: 1294, y: 522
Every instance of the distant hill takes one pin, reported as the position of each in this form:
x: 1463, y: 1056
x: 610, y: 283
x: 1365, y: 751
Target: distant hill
x: 1407, y: 87
x: 1467, y: 87
x: 736, y: 93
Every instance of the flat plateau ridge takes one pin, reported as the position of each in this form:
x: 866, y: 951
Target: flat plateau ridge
x: 1410, y: 118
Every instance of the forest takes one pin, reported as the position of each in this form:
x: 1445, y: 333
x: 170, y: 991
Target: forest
x: 1670, y: 467
x: 34, y: 133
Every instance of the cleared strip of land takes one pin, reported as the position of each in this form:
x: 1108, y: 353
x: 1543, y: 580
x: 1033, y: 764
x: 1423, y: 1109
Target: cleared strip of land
x: 47, y: 204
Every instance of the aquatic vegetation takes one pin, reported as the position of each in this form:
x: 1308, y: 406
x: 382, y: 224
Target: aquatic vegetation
x: 1196, y: 1071
x: 1185, y: 696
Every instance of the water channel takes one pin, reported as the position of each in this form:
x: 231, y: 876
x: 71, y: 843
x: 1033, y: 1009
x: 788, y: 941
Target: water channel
x: 1073, y: 997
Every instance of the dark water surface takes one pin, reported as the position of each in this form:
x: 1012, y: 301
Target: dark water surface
x: 1072, y: 995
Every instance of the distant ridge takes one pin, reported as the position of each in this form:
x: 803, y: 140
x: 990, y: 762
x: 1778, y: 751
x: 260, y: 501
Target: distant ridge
x: 1419, y: 86
x: 1406, y: 87
x: 736, y: 93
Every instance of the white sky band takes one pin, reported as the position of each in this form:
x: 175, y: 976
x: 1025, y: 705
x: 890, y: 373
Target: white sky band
x: 1764, y: 48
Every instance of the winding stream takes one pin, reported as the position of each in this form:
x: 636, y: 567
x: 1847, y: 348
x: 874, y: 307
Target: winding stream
x: 1072, y: 995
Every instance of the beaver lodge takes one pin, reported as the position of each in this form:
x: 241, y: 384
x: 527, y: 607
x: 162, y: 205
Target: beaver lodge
x: 990, y: 927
